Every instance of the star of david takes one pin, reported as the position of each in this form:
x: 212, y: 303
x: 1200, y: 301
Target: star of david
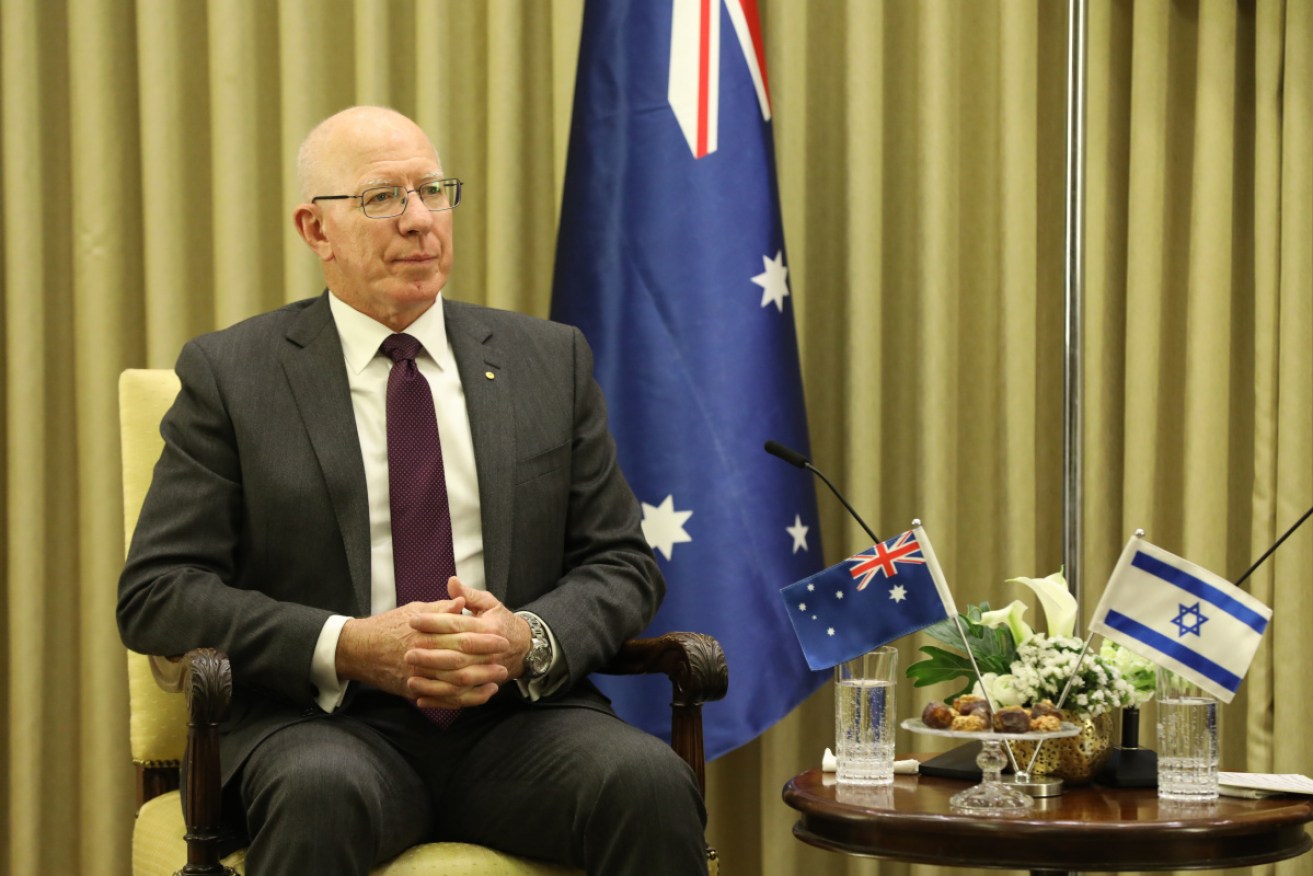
x: 1184, y: 625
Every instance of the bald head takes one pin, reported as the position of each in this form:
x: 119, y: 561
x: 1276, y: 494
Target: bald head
x: 338, y: 142
x: 390, y: 268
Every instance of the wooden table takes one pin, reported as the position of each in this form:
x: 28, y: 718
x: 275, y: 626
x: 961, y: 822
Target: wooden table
x: 1087, y: 828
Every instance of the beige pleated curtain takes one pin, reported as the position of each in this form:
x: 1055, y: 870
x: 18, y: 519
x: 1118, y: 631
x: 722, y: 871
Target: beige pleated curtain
x: 146, y: 178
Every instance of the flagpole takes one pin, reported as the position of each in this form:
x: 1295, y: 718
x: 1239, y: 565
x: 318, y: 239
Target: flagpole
x: 984, y: 688
x: 1062, y: 698
x: 1074, y: 281
x: 936, y: 573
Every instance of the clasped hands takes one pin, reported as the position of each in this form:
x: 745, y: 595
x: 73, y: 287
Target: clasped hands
x: 433, y: 652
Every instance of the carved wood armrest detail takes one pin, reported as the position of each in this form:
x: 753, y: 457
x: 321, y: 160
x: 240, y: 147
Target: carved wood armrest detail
x: 694, y: 663
x: 205, y: 676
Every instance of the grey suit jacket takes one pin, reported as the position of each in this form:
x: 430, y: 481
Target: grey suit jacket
x: 255, y: 528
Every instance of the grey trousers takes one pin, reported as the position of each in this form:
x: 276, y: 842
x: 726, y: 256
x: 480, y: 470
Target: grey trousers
x: 341, y: 793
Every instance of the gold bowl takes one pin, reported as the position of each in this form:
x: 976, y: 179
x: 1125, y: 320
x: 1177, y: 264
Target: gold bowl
x: 1074, y: 759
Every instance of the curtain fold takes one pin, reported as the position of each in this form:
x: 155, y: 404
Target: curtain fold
x: 245, y: 245
x: 1292, y: 443
x: 147, y: 174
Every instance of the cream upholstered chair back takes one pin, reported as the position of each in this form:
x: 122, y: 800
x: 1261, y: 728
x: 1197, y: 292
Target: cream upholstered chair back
x: 159, y: 718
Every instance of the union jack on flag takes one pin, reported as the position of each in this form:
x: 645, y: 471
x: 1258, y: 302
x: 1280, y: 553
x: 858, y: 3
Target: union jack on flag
x: 844, y: 611
x: 694, y: 81
x: 886, y: 558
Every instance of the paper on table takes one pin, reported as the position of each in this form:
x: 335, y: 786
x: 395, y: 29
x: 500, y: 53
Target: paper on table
x: 1272, y: 783
x: 909, y: 767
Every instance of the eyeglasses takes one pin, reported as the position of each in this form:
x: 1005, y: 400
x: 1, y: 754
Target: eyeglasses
x: 384, y: 202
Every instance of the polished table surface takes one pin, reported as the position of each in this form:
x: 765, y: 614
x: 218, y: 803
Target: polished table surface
x: 1086, y: 828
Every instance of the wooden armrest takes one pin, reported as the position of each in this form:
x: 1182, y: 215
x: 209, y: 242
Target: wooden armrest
x: 205, y: 676
x: 695, y: 665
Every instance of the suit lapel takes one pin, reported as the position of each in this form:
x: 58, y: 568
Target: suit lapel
x: 492, y: 428
x: 316, y: 373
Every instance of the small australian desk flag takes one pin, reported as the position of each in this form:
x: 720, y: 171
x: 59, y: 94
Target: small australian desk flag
x: 671, y: 260
x: 887, y: 591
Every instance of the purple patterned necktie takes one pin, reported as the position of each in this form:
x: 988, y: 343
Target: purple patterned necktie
x: 422, y: 553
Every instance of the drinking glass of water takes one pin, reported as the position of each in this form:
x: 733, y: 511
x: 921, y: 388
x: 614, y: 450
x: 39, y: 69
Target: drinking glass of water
x: 1187, y: 739
x: 864, y: 717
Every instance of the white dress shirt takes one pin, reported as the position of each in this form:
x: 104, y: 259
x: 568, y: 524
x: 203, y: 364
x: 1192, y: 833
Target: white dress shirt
x: 367, y: 376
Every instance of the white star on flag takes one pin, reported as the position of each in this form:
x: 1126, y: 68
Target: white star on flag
x: 799, y: 533
x: 897, y: 593
x: 773, y: 281
x: 663, y: 526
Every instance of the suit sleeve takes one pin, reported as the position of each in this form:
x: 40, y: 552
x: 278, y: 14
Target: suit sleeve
x: 183, y: 584
x: 610, y: 586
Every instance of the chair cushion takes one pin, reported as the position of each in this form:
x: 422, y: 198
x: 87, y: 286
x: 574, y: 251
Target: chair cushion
x: 159, y: 850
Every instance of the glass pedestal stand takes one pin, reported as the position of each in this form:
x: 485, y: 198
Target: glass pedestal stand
x: 992, y: 795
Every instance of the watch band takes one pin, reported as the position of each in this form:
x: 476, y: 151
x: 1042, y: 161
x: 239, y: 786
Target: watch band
x: 539, y: 658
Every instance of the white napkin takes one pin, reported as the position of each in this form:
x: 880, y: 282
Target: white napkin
x: 909, y: 767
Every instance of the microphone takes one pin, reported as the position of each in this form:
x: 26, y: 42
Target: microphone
x: 794, y: 458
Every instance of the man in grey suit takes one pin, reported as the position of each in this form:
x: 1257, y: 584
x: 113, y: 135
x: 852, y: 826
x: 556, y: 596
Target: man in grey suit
x: 365, y: 721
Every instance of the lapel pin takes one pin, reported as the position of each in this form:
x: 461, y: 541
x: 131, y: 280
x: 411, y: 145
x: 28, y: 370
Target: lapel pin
x: 490, y: 375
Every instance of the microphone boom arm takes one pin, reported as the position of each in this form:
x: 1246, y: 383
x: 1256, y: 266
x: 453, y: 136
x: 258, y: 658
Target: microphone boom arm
x: 794, y: 458
x: 875, y: 539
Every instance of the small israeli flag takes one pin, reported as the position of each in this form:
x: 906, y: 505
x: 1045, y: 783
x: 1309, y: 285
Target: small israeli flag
x: 1182, y: 617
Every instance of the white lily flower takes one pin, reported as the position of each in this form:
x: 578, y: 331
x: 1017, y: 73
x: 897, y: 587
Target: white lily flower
x: 1012, y: 618
x: 977, y: 690
x: 1004, y: 690
x: 1059, y: 604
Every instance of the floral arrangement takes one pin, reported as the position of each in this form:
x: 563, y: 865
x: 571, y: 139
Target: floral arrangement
x: 1020, y: 667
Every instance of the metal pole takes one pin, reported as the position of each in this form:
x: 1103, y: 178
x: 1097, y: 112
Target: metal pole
x: 1074, y: 282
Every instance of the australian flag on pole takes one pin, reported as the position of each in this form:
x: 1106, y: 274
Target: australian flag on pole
x: 671, y: 260
x: 885, y: 592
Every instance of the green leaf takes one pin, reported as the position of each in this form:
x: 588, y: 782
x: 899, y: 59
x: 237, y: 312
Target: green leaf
x: 942, y: 666
x: 993, y: 648
x: 945, y: 631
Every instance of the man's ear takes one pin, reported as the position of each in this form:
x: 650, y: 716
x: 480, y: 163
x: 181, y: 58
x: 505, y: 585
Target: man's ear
x: 310, y: 225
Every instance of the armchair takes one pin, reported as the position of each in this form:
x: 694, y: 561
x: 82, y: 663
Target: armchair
x: 169, y: 730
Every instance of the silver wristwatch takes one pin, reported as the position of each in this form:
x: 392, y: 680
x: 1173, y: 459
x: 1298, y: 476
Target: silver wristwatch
x: 539, y: 658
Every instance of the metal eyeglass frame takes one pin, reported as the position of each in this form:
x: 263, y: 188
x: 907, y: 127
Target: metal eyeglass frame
x: 446, y: 183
